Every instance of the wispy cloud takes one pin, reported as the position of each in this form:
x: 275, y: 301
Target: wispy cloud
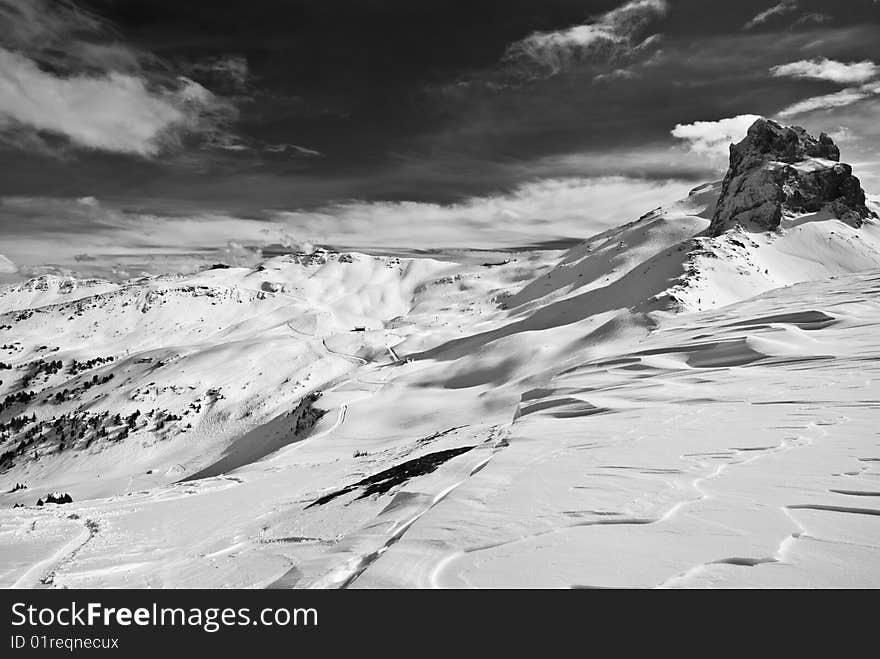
x: 64, y: 72
x: 610, y: 35
x: 826, y: 69
x: 229, y: 72
x: 64, y: 38
x: 812, y: 17
x: 844, y: 97
x: 293, y: 149
x: 785, y: 7
x: 865, y: 72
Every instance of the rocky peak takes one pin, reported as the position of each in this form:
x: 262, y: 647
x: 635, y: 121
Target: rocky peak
x: 778, y: 168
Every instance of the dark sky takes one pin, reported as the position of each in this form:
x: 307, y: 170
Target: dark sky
x: 252, y: 107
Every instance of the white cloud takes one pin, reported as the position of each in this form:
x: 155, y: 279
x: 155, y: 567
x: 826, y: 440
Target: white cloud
x: 241, y: 255
x: 610, y: 34
x: 40, y: 233
x: 785, y: 7
x: 7, y: 267
x: 712, y: 139
x: 534, y: 212
x: 826, y: 69
x: 89, y: 237
x: 111, y: 112
x: 839, y: 99
x: 64, y: 72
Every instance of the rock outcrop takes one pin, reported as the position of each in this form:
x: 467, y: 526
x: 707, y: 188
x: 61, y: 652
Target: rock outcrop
x: 782, y: 168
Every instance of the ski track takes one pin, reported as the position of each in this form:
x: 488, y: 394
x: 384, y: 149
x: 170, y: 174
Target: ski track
x: 43, y: 574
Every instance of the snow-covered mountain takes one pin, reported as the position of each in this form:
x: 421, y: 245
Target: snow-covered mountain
x: 688, y: 399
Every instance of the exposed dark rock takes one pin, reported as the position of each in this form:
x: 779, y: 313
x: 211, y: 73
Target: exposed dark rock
x: 385, y: 480
x: 306, y: 414
x: 768, y: 140
x: 782, y: 168
x: 251, y: 447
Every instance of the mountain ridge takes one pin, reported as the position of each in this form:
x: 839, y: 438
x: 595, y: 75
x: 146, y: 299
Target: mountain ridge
x: 252, y: 393
x: 669, y: 260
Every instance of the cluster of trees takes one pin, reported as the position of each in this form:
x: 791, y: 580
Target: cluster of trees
x: 17, y: 423
x: 20, y: 397
x: 63, y: 395
x: 79, y: 425
x: 7, y: 457
x: 166, y: 417
x: 214, y: 395
x: 68, y: 394
x: 131, y: 419
x: 96, y: 380
x: 77, y: 367
x: 49, y: 368
x: 24, y: 436
x: 56, y: 497
x: 67, y: 430
x: 40, y: 367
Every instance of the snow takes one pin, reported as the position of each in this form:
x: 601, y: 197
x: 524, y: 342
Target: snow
x: 652, y: 408
x: 47, y: 290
